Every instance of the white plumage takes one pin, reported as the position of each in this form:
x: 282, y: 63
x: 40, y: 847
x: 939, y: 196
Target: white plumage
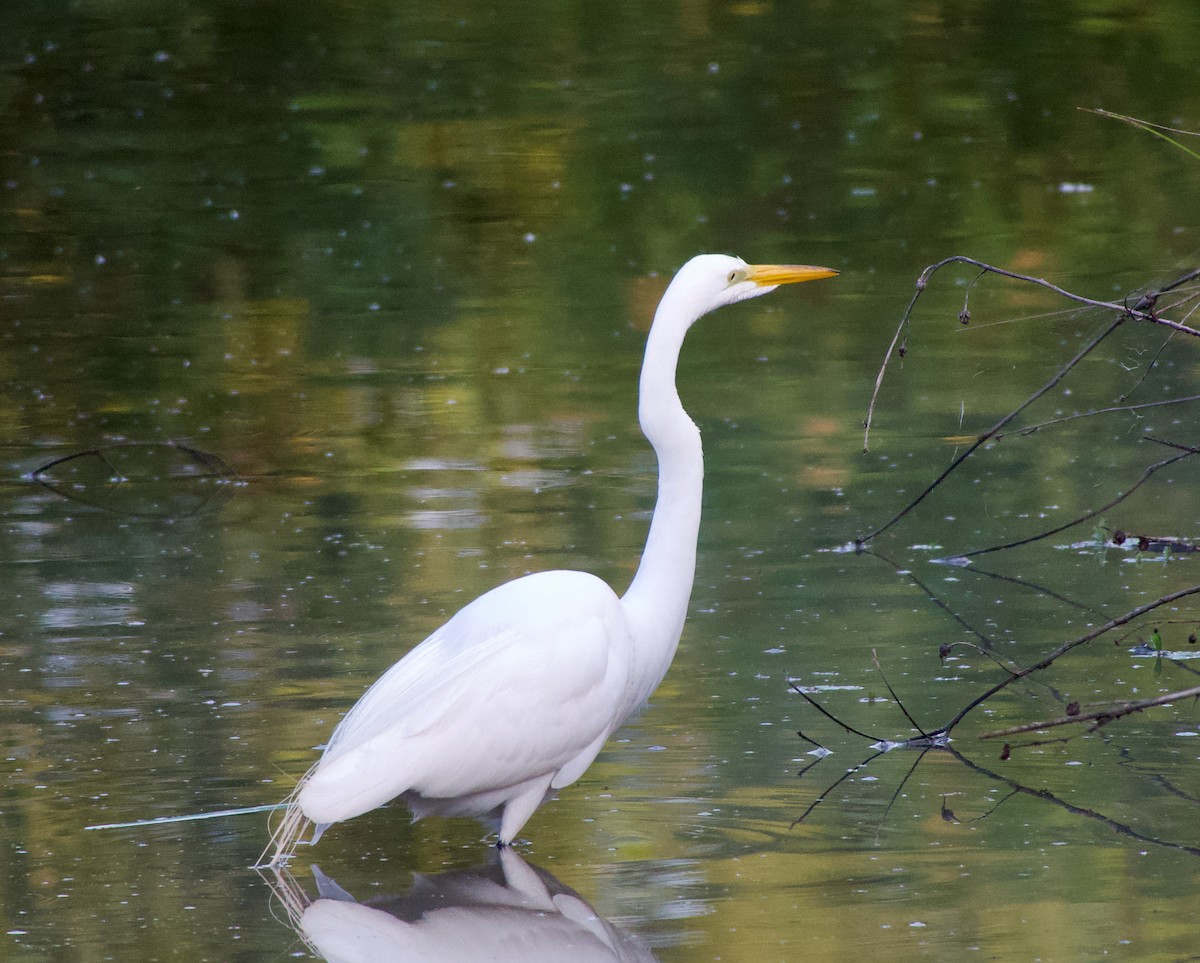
x: 554, y: 647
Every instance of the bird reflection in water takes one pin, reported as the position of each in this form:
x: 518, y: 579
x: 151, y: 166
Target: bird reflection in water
x: 507, y: 910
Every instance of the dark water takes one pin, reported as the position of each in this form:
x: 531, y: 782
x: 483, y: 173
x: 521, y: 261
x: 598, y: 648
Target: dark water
x: 393, y: 267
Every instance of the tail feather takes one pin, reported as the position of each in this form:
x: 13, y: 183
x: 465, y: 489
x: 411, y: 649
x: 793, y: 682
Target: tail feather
x: 287, y: 835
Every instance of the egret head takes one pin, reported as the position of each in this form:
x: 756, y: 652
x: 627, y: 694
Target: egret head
x: 711, y: 281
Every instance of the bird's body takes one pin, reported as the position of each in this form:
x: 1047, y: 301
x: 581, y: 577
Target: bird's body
x: 514, y: 696
x: 554, y: 646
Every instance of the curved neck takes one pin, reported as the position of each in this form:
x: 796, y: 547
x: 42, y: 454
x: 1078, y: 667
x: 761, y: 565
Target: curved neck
x: 657, y: 600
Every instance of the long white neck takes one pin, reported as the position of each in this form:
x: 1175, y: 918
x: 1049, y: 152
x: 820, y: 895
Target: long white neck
x: 657, y: 600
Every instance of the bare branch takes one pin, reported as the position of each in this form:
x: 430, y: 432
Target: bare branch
x: 892, y: 692
x: 1045, y: 795
x: 994, y: 430
x: 1100, y: 716
x: 1066, y: 647
x: 1142, y: 310
x: 825, y: 712
x: 1086, y: 516
x: 1030, y: 429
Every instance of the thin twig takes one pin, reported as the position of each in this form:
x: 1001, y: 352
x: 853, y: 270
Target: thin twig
x: 830, y: 788
x: 887, y: 357
x: 900, y: 787
x: 1138, y: 312
x: 1086, y: 516
x: 1046, y: 796
x: 994, y: 430
x: 895, y: 698
x: 811, y: 742
x: 1193, y: 309
x: 1038, y: 589
x: 1004, y: 683
x: 986, y: 644
x: 1177, y: 445
x: 1116, y: 409
x: 1100, y: 716
x: 1149, y: 367
x: 825, y: 712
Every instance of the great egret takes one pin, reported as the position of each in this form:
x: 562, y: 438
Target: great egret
x: 513, y: 698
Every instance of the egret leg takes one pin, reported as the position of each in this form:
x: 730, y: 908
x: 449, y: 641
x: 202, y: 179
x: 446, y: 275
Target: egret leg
x: 518, y: 809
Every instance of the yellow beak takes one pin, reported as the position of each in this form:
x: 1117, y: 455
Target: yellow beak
x: 766, y: 275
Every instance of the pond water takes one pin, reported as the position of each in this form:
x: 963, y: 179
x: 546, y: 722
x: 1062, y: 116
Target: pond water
x: 341, y: 308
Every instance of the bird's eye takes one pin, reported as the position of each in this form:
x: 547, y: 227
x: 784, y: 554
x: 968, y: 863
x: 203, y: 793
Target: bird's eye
x: 735, y: 276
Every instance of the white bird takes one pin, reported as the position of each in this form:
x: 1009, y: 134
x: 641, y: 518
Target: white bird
x: 514, y: 696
